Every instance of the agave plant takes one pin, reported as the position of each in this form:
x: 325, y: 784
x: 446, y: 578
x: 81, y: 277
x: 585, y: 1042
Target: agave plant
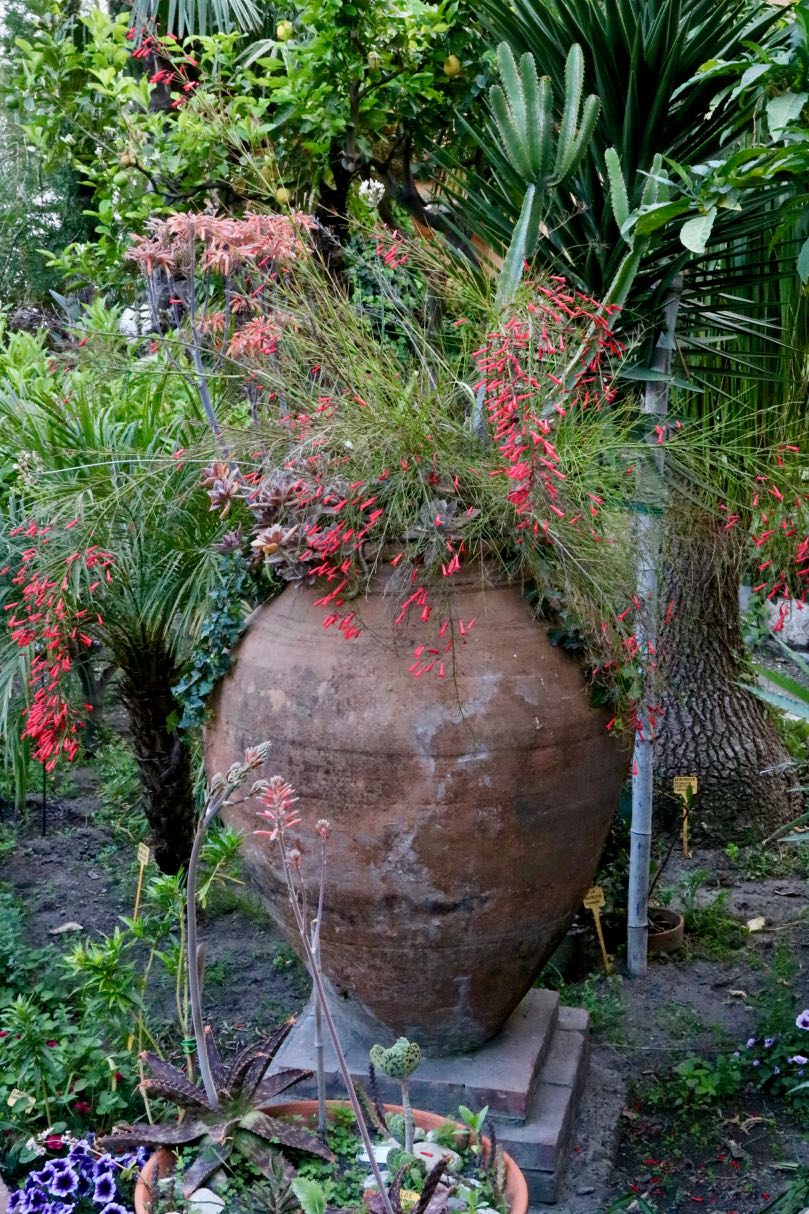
x: 239, y: 1122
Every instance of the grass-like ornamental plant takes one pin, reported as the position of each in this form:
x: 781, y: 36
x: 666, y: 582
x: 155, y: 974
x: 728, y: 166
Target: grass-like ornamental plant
x: 241, y: 1121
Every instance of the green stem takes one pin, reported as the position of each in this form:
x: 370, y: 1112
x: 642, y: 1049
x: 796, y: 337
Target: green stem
x: 408, y: 1116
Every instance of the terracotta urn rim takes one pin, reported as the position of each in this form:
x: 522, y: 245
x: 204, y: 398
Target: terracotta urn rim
x: 516, y: 1188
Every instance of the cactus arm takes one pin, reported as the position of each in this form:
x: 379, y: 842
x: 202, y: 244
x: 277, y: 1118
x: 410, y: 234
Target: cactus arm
x: 574, y: 83
x: 576, y: 149
x: 619, y: 199
x: 510, y: 134
x: 533, y: 94
x: 512, y: 82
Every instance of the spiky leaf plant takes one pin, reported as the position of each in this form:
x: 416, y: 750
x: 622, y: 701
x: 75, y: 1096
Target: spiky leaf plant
x: 240, y: 1122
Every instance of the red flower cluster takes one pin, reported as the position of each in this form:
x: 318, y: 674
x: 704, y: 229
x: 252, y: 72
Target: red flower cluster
x: 43, y: 621
x: 523, y: 398
x: 781, y: 535
x: 165, y: 50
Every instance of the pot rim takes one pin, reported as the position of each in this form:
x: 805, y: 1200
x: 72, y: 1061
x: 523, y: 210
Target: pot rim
x: 515, y: 1191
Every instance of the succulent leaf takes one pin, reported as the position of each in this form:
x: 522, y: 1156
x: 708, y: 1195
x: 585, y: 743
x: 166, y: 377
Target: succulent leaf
x: 398, y: 1060
x: 512, y: 83
x: 171, y: 1077
x: 218, y: 1069
x: 234, y: 1081
x: 431, y: 1183
x: 185, y: 1100
x: 176, y: 1133
x: 260, y: 1154
x: 220, y: 1130
x: 278, y: 1082
x: 206, y: 1162
x: 285, y: 1132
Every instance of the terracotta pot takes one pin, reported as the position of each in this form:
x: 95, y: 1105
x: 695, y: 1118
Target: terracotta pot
x: 162, y: 1162
x: 468, y: 813
x: 666, y: 930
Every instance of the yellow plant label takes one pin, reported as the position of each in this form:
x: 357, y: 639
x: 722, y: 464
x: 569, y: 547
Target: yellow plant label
x: 594, y: 898
x: 683, y: 785
x: 144, y: 855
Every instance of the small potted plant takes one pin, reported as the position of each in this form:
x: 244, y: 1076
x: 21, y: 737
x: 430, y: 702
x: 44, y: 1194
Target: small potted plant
x: 233, y: 1135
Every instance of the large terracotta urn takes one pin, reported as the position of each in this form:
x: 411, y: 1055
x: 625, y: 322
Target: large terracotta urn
x: 468, y: 812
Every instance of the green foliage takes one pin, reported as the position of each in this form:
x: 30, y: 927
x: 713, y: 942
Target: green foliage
x: 706, y: 920
x: 701, y: 1083
x: 61, y: 1062
x: 601, y: 995
x: 310, y: 1194
x: 120, y: 792
x: 221, y: 627
x: 355, y: 88
x: 365, y: 83
x: 119, y: 973
x: 792, y: 696
x: 342, y: 1181
x: 637, y: 58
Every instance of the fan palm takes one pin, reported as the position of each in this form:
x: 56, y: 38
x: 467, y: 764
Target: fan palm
x: 106, y: 454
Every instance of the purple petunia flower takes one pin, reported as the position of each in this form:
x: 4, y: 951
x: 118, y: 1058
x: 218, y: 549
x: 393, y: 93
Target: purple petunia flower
x: 36, y: 1199
x: 65, y: 1181
x: 769, y: 1042
x: 115, y: 1207
x: 751, y: 1041
x: 736, y: 1054
x: 776, y: 1070
x: 802, y: 1021
x: 105, y: 1190
x: 756, y: 1062
x: 798, y: 1059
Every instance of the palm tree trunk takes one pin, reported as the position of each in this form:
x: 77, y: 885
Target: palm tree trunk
x: 711, y: 726
x: 164, y: 763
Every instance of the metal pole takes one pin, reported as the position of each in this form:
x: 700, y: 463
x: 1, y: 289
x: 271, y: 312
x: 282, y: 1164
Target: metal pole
x: 649, y: 505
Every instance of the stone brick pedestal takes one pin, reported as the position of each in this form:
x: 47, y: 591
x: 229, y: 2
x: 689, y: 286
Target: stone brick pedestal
x: 531, y: 1077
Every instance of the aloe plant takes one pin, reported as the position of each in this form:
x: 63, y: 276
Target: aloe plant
x: 239, y: 1123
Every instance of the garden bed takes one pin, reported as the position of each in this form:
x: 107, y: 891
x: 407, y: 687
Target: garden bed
x: 723, y: 1154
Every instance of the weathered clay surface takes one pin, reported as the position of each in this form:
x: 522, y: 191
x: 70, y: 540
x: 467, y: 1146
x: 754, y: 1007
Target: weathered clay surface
x: 468, y: 813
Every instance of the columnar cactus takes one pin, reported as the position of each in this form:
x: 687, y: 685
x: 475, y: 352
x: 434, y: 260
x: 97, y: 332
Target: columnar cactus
x: 521, y: 108
x: 399, y: 1061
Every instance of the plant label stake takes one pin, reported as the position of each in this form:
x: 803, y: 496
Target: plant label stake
x: 144, y: 856
x: 685, y: 787
x: 593, y: 902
